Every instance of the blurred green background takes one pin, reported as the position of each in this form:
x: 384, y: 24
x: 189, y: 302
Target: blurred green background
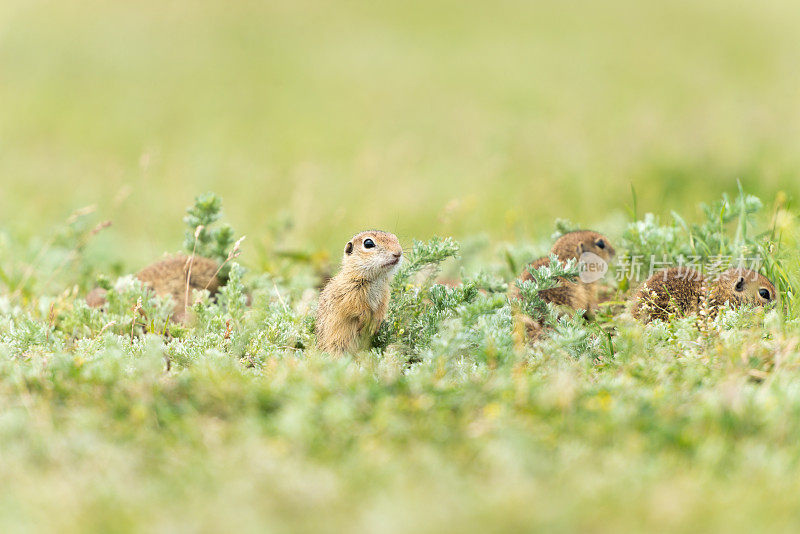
x: 420, y: 117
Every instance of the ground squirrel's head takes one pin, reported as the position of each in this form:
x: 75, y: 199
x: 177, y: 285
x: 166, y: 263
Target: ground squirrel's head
x: 742, y: 285
x: 372, y: 254
x: 573, y: 244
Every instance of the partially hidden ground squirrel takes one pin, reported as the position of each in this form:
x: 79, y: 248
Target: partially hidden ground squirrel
x: 680, y: 291
x: 576, y: 295
x: 354, y: 302
x: 169, y: 277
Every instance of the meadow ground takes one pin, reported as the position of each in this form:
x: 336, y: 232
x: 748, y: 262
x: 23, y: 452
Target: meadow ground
x: 313, y: 120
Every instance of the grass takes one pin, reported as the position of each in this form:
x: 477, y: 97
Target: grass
x: 454, y: 423
x: 314, y: 120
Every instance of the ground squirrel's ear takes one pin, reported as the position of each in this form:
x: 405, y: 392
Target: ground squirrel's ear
x: 740, y: 285
x: 580, y: 248
x: 348, y: 248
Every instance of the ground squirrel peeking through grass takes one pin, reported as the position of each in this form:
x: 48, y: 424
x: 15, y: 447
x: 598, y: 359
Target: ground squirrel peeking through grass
x: 676, y: 291
x: 354, y: 302
x: 576, y: 295
x: 168, y: 277
x: 680, y: 291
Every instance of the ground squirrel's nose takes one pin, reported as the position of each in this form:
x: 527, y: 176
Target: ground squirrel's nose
x: 398, y: 254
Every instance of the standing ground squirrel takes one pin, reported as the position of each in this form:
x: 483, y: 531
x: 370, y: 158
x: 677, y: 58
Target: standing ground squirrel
x: 576, y: 295
x: 168, y: 277
x: 354, y: 302
x: 680, y: 291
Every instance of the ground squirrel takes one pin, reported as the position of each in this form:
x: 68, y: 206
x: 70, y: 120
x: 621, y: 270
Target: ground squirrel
x: 354, y: 302
x: 680, y: 291
x: 168, y: 277
x: 742, y: 286
x: 576, y: 295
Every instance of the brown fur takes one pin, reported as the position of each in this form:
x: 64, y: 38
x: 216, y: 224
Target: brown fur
x: 354, y: 302
x: 680, y: 291
x: 742, y: 286
x: 96, y: 298
x: 168, y: 277
x: 676, y: 291
x: 575, y: 295
x: 571, y: 245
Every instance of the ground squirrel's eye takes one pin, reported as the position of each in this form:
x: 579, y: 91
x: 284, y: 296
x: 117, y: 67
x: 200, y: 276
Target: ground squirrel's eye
x: 369, y: 243
x: 600, y: 244
x: 740, y: 285
x: 764, y: 293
